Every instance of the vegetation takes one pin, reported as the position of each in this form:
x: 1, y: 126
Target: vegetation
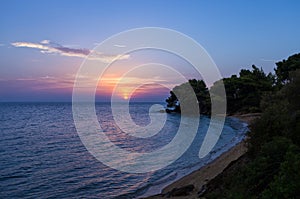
x: 244, y: 93
x: 270, y: 169
x: 285, y: 67
x: 200, y: 90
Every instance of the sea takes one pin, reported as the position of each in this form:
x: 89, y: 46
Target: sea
x: 42, y: 156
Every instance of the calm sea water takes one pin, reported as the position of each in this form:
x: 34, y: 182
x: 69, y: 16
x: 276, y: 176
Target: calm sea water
x: 41, y: 155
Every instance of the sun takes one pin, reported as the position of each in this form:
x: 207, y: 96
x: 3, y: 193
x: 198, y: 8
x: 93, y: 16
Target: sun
x: 125, y: 97
x: 125, y: 92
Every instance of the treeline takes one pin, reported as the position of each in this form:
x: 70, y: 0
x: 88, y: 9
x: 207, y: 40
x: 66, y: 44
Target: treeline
x: 186, y: 97
x: 244, y: 92
x: 270, y: 168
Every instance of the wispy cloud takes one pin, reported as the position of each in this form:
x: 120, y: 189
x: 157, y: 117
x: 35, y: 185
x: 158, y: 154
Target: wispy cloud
x: 268, y: 60
x: 45, y: 41
x: 119, y: 46
x: 31, y: 45
x: 2, y: 44
x: 48, y: 47
x: 45, y: 82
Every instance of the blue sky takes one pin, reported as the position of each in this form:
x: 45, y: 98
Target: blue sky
x: 236, y: 34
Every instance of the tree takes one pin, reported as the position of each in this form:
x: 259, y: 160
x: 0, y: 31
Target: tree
x: 244, y: 93
x: 286, y: 184
x: 200, y: 91
x: 284, y: 68
x: 270, y: 168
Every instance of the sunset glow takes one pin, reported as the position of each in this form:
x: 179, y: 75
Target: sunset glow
x: 41, y: 57
x: 140, y: 98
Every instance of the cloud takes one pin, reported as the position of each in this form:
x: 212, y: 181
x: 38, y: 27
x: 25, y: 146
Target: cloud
x: 268, y: 60
x: 45, y: 41
x: 44, y: 82
x: 2, y: 44
x: 119, y: 46
x: 48, y: 47
x: 30, y: 45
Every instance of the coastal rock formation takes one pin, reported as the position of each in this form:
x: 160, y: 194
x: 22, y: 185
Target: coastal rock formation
x: 182, y: 191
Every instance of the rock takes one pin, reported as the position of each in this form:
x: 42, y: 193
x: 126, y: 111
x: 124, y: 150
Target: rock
x: 202, y: 191
x: 182, y: 191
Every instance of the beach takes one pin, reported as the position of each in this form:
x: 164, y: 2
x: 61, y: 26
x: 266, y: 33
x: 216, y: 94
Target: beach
x: 191, y: 185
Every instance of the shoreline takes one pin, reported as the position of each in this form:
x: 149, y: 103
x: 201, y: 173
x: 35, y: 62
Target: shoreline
x: 191, y: 185
x: 247, y: 118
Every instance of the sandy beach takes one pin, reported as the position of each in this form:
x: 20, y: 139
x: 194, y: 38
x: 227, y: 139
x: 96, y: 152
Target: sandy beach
x: 247, y: 118
x: 195, y: 182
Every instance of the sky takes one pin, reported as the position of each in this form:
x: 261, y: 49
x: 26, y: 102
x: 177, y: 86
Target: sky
x: 44, y: 43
